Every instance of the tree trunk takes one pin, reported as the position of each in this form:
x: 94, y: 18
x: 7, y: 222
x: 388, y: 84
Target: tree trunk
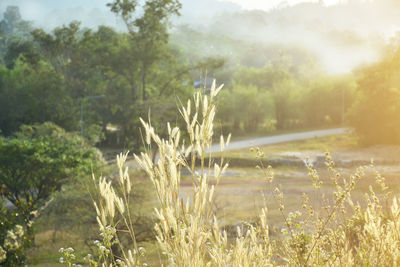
x: 236, y: 124
x: 144, y: 96
x: 133, y: 87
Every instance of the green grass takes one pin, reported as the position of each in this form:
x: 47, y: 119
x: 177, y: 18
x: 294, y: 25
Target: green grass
x: 81, y: 228
x: 322, y: 144
x: 45, y: 252
x: 243, y: 135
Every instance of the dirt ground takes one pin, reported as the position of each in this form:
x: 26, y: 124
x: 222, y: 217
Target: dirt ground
x: 244, y: 191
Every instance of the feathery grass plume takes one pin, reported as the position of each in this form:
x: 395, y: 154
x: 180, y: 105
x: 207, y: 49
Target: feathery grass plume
x: 183, y: 229
x: 189, y: 233
x: 113, y: 218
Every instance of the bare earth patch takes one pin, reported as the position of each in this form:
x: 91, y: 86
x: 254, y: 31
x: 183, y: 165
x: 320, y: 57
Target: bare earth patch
x: 241, y: 193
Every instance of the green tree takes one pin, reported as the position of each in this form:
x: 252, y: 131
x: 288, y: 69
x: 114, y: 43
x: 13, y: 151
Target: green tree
x: 11, y: 20
x: 50, y: 75
x: 34, y: 94
x: 286, y: 105
x: 13, y: 28
x: 110, y: 67
x: 255, y: 107
x: 23, y: 49
x: 58, y: 48
x: 375, y: 114
x: 280, y: 83
x: 33, y: 165
x: 327, y: 99
x: 148, y: 32
x: 38, y: 161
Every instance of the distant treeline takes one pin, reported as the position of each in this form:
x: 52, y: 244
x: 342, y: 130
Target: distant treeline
x: 100, y: 82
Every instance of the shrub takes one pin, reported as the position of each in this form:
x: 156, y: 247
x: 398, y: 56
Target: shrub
x: 13, y: 238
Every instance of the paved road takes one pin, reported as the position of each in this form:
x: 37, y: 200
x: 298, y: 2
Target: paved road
x: 262, y: 141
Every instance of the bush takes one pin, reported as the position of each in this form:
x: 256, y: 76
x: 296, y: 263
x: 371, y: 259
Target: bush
x: 13, y: 237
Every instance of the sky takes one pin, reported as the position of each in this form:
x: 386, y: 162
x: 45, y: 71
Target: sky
x: 268, y: 4
x: 34, y: 8
x: 48, y: 13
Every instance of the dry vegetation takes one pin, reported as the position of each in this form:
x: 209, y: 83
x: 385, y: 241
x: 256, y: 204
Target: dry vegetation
x: 335, y: 232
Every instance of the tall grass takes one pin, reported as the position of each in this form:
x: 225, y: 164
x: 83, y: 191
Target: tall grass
x: 340, y: 233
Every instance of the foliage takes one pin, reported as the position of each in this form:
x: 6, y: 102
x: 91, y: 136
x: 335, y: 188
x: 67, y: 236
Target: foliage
x: 328, y: 99
x: 271, y: 91
x: 48, y: 76
x: 255, y: 105
x: 33, y: 165
x: 377, y: 105
x: 148, y: 32
x: 13, y: 237
x: 288, y: 97
x: 12, y: 22
x: 34, y: 95
x: 281, y: 98
x: 13, y: 29
x: 23, y: 50
x: 36, y: 163
x: 286, y: 94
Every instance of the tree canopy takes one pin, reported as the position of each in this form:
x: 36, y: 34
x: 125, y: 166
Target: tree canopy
x: 376, y: 112
x: 38, y: 161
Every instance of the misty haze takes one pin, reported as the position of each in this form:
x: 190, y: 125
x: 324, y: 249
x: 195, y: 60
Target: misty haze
x: 339, y: 36
x: 199, y: 133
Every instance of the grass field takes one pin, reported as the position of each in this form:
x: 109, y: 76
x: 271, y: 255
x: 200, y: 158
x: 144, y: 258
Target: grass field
x: 239, y: 196
x: 321, y: 144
